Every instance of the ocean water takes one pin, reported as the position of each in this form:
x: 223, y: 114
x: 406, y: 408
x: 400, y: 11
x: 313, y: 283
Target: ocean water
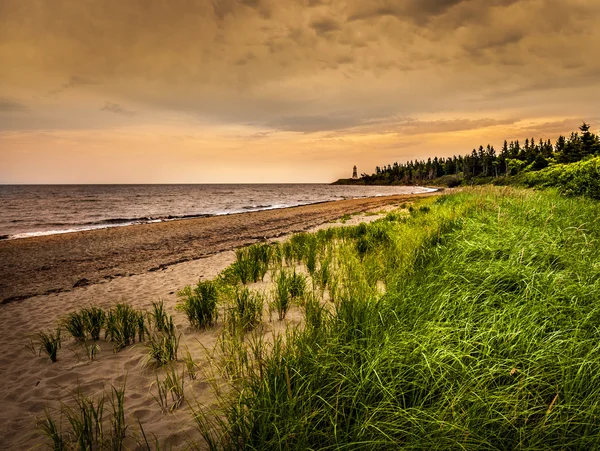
x: 30, y: 210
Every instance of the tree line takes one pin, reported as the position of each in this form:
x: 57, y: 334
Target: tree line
x: 483, y: 162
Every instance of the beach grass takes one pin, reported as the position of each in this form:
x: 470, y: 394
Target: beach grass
x: 469, y: 324
x: 282, y: 298
x: 48, y: 343
x: 190, y: 365
x: 245, y: 309
x: 163, y: 339
x: 159, y: 317
x: 75, y: 325
x: 123, y: 324
x: 199, y: 303
x: 170, y: 390
x: 94, y: 320
x: 83, y: 423
x: 163, y: 347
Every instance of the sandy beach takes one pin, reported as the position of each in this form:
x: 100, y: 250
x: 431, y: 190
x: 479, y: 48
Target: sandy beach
x: 44, y: 278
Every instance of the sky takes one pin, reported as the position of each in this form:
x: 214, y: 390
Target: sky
x: 249, y: 91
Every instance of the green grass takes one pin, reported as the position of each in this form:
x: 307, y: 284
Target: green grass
x: 159, y: 317
x: 297, y: 285
x: 200, y: 303
x: 282, y: 300
x: 123, y: 325
x: 190, y: 365
x: 251, y: 263
x: 163, y: 347
x: 86, y: 322
x: 48, y: 343
x: 75, y: 325
x: 245, y: 310
x: 87, y: 426
x: 170, y: 390
x: 163, y: 339
x: 91, y: 350
x: 94, y: 320
x: 472, y: 324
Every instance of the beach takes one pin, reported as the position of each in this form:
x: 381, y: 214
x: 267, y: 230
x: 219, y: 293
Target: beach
x: 44, y: 278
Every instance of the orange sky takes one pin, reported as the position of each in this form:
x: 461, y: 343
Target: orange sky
x: 184, y: 91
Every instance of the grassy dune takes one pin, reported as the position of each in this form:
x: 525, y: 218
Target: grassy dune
x: 470, y: 323
x: 466, y: 321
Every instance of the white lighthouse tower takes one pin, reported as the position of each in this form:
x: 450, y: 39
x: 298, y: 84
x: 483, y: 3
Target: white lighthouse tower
x: 354, y: 173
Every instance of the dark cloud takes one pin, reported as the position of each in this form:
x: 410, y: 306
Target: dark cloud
x: 222, y: 8
x: 294, y: 64
x: 386, y: 125
x: 313, y: 124
x: 10, y: 106
x: 345, y: 59
x: 415, y: 127
x: 415, y: 9
x: 245, y: 59
x: 116, y: 108
x: 553, y: 128
x: 325, y: 25
x: 73, y: 82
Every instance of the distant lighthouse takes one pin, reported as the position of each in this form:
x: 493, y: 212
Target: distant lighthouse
x: 354, y: 173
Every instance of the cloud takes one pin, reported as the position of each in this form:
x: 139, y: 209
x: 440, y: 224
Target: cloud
x: 313, y: 124
x: 416, y: 127
x: 116, y: 108
x: 553, y: 128
x: 295, y: 64
x: 325, y: 25
x: 372, y: 124
x: 10, y: 106
x: 405, y: 9
x: 73, y: 82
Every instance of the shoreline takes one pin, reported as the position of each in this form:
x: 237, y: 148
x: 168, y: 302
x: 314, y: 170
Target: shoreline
x: 126, y: 222
x: 63, y: 262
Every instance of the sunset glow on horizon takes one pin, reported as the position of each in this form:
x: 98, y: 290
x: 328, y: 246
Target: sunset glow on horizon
x: 251, y: 91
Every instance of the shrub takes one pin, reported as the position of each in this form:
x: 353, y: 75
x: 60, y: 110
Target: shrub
x: 581, y: 178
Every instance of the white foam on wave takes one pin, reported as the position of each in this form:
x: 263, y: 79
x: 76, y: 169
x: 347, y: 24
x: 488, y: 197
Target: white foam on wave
x: 61, y: 231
